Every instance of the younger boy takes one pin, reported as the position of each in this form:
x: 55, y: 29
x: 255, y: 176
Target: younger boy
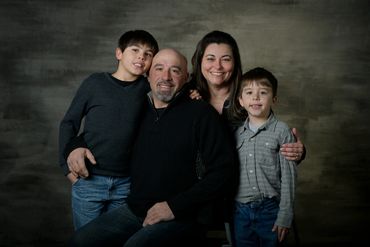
x: 111, y: 105
x: 264, y: 202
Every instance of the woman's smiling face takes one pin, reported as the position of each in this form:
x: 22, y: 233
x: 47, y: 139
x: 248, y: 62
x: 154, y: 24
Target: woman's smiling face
x: 217, y: 64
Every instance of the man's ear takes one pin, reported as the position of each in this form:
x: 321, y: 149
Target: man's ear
x: 274, y: 99
x: 187, y: 76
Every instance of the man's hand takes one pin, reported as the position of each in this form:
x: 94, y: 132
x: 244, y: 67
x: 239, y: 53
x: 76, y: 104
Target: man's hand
x: 282, y: 232
x: 76, y: 162
x: 159, y: 212
x: 293, y: 151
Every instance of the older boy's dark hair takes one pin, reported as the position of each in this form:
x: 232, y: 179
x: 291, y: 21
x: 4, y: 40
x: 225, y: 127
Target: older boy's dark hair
x: 214, y: 37
x: 259, y: 75
x: 137, y: 37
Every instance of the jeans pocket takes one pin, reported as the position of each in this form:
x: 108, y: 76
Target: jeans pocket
x: 76, y: 182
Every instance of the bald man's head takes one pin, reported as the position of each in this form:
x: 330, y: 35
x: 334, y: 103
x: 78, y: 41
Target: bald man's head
x: 167, y: 75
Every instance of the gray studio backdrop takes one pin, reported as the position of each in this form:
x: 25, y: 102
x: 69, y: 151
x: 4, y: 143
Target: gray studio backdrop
x: 319, y: 50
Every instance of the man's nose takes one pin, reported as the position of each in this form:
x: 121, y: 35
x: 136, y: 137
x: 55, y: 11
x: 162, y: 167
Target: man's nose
x: 167, y: 75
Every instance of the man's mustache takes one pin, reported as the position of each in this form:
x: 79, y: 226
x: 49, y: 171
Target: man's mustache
x: 165, y: 83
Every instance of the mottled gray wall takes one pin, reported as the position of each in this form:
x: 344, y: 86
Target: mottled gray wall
x: 320, y: 51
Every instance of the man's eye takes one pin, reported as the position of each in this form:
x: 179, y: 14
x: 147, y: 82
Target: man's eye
x: 176, y: 71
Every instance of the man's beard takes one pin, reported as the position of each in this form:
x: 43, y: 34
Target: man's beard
x: 165, y: 96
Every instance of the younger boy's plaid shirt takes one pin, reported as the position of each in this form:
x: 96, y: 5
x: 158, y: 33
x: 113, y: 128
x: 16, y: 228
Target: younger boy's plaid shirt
x: 264, y: 172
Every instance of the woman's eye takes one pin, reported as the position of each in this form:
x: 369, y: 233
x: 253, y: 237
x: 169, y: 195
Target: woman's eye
x: 209, y: 58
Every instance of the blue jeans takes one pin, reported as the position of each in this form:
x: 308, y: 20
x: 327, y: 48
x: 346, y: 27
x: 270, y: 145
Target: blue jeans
x: 121, y: 227
x: 95, y: 195
x: 253, y: 223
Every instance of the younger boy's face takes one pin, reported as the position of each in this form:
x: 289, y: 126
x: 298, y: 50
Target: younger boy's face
x: 257, y: 100
x: 135, y: 60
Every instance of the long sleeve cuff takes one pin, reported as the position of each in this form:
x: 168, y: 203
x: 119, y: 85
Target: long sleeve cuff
x: 77, y: 142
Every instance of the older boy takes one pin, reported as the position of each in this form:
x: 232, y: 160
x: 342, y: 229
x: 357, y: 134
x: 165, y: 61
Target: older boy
x: 111, y: 105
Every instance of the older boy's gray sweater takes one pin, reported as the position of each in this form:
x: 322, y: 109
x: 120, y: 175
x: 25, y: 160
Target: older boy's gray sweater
x: 111, y: 112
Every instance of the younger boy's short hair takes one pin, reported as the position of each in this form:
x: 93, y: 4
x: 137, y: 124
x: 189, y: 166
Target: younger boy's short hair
x: 137, y: 37
x: 236, y: 112
x: 261, y: 76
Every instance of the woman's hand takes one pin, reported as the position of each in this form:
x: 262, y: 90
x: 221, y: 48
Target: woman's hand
x: 194, y: 94
x: 293, y: 151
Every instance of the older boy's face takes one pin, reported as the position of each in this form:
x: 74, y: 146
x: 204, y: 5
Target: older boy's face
x: 135, y: 60
x: 166, y: 76
x: 257, y: 100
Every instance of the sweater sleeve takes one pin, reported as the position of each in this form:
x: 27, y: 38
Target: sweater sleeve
x: 70, y: 124
x: 216, y: 151
x: 75, y: 142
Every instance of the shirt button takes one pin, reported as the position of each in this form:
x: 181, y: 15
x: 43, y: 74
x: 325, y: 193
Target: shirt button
x: 250, y: 155
x: 254, y: 188
x: 251, y: 171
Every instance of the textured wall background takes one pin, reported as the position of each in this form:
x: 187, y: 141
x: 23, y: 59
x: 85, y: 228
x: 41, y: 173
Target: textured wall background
x: 320, y: 51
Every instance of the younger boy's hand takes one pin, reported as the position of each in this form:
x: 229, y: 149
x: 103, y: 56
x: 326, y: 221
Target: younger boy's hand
x: 76, y: 162
x: 282, y: 232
